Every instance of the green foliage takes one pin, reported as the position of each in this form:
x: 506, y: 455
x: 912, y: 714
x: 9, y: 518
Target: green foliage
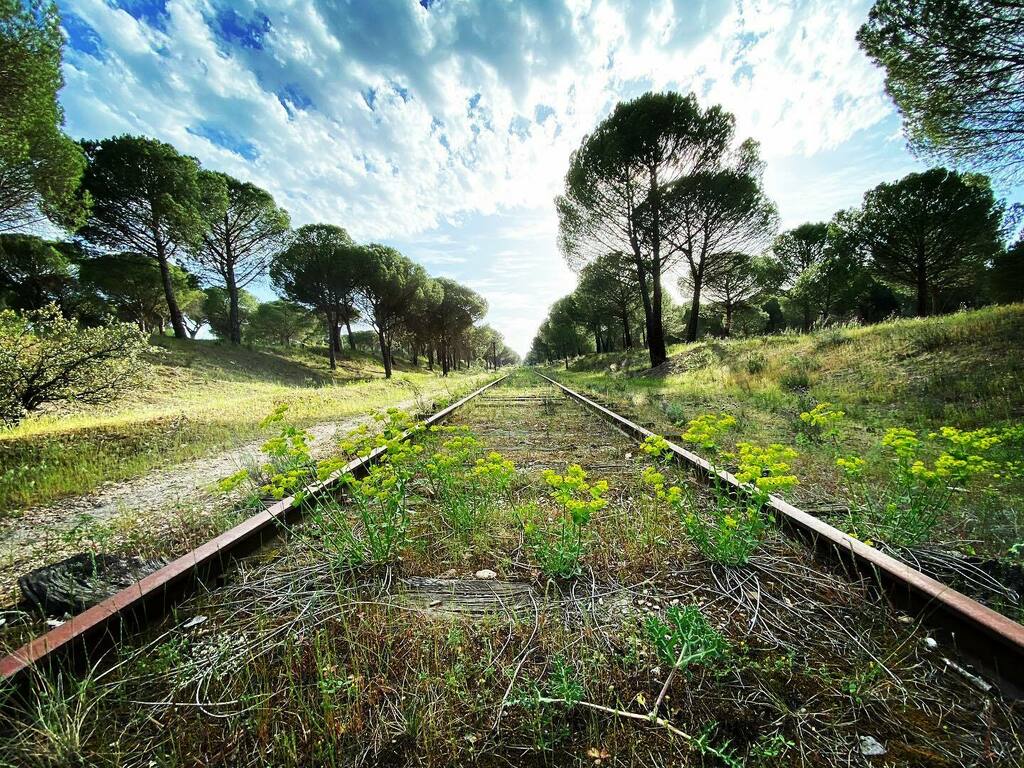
x: 320, y: 268
x: 217, y: 310
x: 705, y: 430
x: 46, y: 358
x: 238, y: 245
x: 39, y: 165
x: 915, y: 492
x: 132, y: 285
x: 35, y: 273
x: 929, y: 232
x: 148, y: 199
x: 822, y: 421
x: 684, y: 638
x: 378, y: 531
x: 1006, y: 278
x: 730, y: 531
x: 559, y: 547
x: 279, y: 323
x: 636, y: 154
x: 954, y: 70
x: 388, y: 284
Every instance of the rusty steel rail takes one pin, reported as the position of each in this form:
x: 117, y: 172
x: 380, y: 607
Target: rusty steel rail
x: 990, y: 640
x: 151, y: 598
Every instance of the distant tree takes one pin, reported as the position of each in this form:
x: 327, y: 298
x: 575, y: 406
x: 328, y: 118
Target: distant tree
x: 1006, y: 276
x: 459, y: 309
x: 148, y: 199
x: 739, y: 282
x: 35, y: 273
x: 240, y: 242
x: 955, y: 69
x: 929, y: 231
x: 561, y: 335
x: 217, y: 310
x: 614, y: 189
x: 40, y: 167
x: 421, y: 320
x: 387, y: 287
x: 320, y: 268
x: 193, y: 308
x: 798, y: 250
x: 609, y: 284
x: 829, y: 288
x: 280, y: 323
x: 47, y: 358
x: 133, y: 285
x: 715, y: 213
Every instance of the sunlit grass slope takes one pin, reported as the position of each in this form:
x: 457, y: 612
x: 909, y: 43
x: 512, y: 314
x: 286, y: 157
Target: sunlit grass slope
x: 201, y: 396
x: 964, y: 370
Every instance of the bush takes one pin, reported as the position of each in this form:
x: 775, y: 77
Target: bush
x: 47, y: 358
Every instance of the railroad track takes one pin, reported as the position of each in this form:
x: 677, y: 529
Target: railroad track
x: 154, y: 595
x: 548, y: 425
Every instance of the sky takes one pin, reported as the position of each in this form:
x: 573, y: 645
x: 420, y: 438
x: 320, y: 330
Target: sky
x: 444, y: 127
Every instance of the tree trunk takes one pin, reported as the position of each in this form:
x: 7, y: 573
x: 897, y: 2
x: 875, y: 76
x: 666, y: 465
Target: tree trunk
x: 807, y: 317
x: 430, y: 356
x: 385, y: 354
x: 234, y: 320
x: 627, y: 340
x: 177, y: 321
x: 351, y: 336
x: 336, y: 334
x: 922, y: 289
x: 331, y: 325
x: 691, y: 325
x: 728, y: 319
x: 645, y: 297
x: 656, y: 334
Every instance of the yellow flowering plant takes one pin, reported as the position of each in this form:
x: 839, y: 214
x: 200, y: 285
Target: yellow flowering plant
x: 379, y: 530
x: 822, y: 421
x: 559, y: 548
x: 705, y: 430
x: 907, y: 497
x: 289, y: 463
x: 733, y: 529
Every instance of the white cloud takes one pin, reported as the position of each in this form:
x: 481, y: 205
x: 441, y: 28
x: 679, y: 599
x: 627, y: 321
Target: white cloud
x: 408, y: 124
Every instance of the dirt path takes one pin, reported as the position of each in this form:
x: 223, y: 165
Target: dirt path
x: 44, y: 535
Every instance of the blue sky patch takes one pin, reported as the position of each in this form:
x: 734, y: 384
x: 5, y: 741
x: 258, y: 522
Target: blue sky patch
x: 542, y: 112
x: 519, y: 127
x: 292, y: 97
x: 225, y: 139
x: 82, y: 37
x: 234, y: 28
x: 153, y: 12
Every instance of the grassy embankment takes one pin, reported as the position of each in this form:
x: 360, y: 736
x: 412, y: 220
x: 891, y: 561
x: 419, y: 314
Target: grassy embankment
x: 964, y: 370
x: 199, y: 398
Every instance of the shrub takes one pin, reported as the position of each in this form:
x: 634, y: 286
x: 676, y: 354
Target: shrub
x: 47, y: 358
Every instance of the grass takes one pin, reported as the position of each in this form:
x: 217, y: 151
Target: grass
x: 646, y: 652
x: 201, y: 396
x: 963, y: 370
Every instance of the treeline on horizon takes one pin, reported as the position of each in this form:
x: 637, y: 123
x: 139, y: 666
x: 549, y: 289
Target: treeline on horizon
x: 154, y: 239
x: 661, y: 190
